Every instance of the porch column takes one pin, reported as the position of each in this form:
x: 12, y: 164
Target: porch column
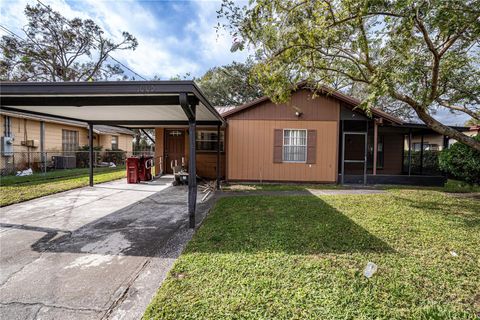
x: 421, y: 155
x: 410, y: 151
x: 218, y: 157
x: 189, y: 108
x: 375, y: 146
x: 90, y: 153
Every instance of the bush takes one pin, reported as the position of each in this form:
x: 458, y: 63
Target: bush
x: 461, y: 162
x: 117, y: 156
x: 83, y: 157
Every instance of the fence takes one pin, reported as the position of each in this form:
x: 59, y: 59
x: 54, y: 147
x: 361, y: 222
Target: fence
x: 58, y: 160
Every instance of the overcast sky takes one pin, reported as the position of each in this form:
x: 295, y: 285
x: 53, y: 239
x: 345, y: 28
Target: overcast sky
x: 175, y: 37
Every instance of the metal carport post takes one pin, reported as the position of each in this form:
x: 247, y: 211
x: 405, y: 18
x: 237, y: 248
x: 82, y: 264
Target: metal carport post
x: 190, y: 112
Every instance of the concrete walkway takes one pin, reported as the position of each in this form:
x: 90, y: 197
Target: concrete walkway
x: 91, y: 253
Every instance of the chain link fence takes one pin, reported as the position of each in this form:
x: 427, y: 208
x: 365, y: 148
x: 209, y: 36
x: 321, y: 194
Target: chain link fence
x: 58, y: 160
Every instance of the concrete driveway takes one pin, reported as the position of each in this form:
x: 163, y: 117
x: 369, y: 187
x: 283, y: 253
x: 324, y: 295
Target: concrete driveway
x: 91, y: 253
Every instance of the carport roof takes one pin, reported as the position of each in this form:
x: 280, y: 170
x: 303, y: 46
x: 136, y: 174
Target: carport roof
x: 125, y: 103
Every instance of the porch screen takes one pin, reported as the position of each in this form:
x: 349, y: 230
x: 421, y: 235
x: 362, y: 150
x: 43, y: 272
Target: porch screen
x: 294, y: 145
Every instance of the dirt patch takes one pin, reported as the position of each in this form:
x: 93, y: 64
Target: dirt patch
x: 241, y: 187
x: 472, y: 195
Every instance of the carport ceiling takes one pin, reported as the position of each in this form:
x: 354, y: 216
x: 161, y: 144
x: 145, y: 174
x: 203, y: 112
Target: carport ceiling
x: 126, y: 103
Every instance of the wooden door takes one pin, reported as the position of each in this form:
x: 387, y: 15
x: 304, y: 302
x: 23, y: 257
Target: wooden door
x: 174, y: 148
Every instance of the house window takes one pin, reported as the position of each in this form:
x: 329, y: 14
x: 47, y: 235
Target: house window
x: 7, y: 129
x: 417, y: 146
x: 69, y: 140
x: 206, y: 140
x: 294, y: 145
x: 114, y: 143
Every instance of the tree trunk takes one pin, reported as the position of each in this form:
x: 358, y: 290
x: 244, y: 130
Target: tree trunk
x: 445, y: 130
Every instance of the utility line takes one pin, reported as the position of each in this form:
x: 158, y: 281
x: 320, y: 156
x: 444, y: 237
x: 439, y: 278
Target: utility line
x: 108, y: 54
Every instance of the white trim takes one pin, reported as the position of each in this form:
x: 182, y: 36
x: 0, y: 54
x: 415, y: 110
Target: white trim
x: 283, y: 145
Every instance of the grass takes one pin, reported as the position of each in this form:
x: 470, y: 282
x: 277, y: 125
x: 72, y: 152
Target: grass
x: 452, y: 186
x: 80, y: 172
x: 278, y: 187
x: 302, y: 257
x: 456, y: 186
x: 18, y: 189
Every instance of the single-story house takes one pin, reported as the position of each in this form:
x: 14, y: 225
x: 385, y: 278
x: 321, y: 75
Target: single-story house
x: 319, y: 137
x: 27, y: 136
x: 312, y: 138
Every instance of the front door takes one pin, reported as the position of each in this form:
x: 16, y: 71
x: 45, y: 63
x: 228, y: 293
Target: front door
x: 174, y: 148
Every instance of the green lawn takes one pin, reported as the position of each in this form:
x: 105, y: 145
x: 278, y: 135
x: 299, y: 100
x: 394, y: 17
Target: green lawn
x: 452, y: 186
x: 302, y: 257
x: 18, y: 189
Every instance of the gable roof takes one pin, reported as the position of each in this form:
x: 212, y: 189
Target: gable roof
x: 348, y: 100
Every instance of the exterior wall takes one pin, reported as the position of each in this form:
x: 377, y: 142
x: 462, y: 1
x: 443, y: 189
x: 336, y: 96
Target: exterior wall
x: 392, y: 154
x: 206, y: 161
x: 53, y: 135
x: 250, y: 152
x: 319, y: 108
x: 125, y: 142
x: 250, y: 139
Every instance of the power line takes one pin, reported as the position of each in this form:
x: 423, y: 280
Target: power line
x: 11, y: 32
x: 108, y: 54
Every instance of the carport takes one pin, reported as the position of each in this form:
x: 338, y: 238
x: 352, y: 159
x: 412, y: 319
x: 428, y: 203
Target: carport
x: 130, y: 104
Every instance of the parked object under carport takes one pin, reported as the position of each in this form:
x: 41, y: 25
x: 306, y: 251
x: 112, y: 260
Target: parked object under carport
x: 139, y: 169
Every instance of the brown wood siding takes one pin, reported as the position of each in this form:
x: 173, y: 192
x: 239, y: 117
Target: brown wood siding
x: 392, y: 158
x: 206, y: 161
x: 207, y: 165
x: 319, y: 108
x: 250, y: 151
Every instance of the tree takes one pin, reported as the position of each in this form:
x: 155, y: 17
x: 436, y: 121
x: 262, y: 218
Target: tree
x: 461, y: 162
x: 424, y: 55
x: 472, y: 122
x: 230, y: 85
x: 58, y: 49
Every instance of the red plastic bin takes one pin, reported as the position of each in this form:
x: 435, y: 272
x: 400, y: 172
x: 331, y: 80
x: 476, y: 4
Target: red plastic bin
x: 132, y: 170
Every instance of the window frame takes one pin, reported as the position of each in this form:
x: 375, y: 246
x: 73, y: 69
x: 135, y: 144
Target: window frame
x: 76, y: 140
x: 222, y: 140
x: 111, y: 142
x: 283, y: 145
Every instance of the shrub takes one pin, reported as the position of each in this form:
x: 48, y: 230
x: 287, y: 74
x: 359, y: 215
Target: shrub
x: 117, y: 156
x: 461, y: 162
x: 83, y: 157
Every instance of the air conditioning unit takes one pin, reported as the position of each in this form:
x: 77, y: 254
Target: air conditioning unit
x: 7, y: 146
x: 30, y: 143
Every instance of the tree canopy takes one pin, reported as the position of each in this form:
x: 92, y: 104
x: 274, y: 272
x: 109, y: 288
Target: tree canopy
x: 230, y: 85
x: 55, y: 48
x: 424, y: 55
